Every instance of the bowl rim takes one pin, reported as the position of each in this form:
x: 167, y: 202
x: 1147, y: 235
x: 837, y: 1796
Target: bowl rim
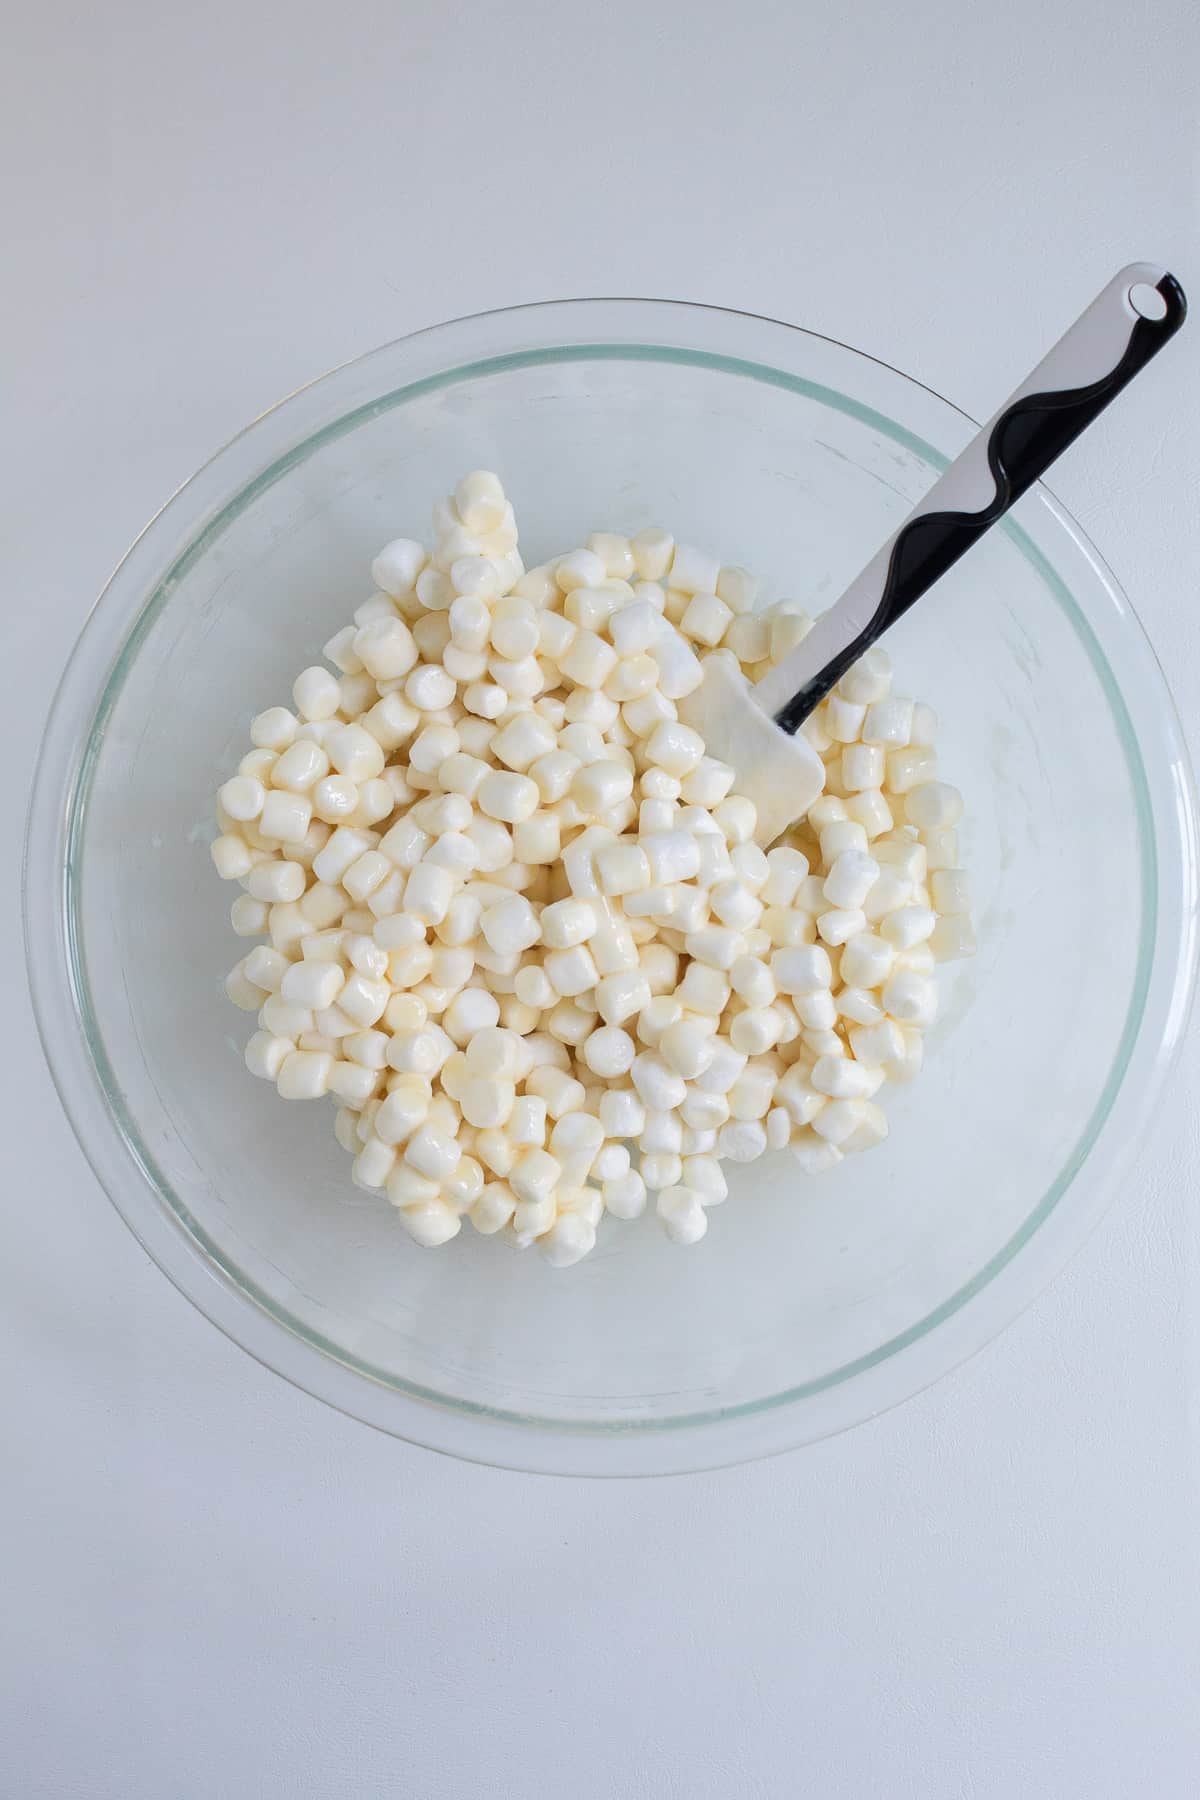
x: 900, y: 1368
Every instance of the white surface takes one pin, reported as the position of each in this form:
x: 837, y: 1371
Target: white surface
x: 214, y: 1586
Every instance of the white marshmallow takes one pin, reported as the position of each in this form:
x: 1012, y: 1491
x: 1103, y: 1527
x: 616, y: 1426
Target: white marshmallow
x: 840, y: 924
x: 693, y: 571
x: 571, y: 971
x: 657, y: 1084
x: 304, y: 1075
x: 888, y: 721
x: 843, y: 719
x: 625, y: 1195
x: 686, y: 1049
x: 510, y: 925
x: 813, y: 1154
x: 803, y: 970
x: 681, y: 1215
x: 910, y: 998
x: 609, y: 1052
x: 397, y: 566
x: 933, y: 805
x: 507, y: 797
x: 742, y: 1140
x: 952, y: 938
x: 850, y: 879
x: 951, y: 891
x: 620, y: 996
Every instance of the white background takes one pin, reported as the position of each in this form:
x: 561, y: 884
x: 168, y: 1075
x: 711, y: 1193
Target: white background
x: 212, y: 1586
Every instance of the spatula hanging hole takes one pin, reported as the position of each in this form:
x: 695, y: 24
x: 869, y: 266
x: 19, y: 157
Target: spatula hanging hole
x: 1147, y: 301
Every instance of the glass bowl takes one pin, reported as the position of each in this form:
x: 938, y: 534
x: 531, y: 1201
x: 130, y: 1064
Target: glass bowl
x: 812, y: 1303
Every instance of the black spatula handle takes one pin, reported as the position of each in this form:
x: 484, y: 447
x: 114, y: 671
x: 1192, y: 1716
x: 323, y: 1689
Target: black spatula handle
x: 1125, y: 326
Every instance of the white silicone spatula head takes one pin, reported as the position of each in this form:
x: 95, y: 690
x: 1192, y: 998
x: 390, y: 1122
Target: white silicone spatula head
x: 753, y: 728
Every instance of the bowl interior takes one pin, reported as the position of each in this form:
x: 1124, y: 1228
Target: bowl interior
x: 801, y: 1285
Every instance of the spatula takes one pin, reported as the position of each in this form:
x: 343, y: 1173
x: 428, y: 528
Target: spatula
x: 754, y: 729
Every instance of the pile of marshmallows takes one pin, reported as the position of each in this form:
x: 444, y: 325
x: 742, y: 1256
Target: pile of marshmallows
x: 518, y: 925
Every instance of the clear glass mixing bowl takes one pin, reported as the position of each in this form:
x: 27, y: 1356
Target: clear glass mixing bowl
x: 811, y: 1304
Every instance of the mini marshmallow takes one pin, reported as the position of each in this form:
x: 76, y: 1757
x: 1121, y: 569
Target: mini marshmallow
x: 609, y: 1052
x: 428, y: 892
x: 735, y: 904
x: 841, y: 1078
x: 431, y: 1153
x: 838, y: 1120
x: 679, y: 669
x: 718, y: 945
x: 507, y: 797
x: 816, y: 1012
x: 908, y: 926
x: 625, y: 1195
x: 522, y: 741
x: 600, y: 786
x: 933, y: 806
x: 354, y: 753
x: 908, y: 769
x: 682, y: 1215
x: 863, y: 766
x: 752, y: 981
x: 274, y: 729
x: 870, y: 810
x: 889, y: 722
x: 952, y: 938
x: 741, y: 1140
x: 910, y: 998
x: 568, y: 922
x: 275, y: 882
x: 386, y: 648
x: 737, y: 587
x: 675, y: 748
x: 510, y: 925
x: 304, y: 1075
x: 692, y: 571
x: 843, y: 720
x: 813, y: 1155
x: 804, y: 970
x: 652, y: 551
x: 737, y: 819
x: 941, y: 848
x: 839, y: 836
x: 312, y: 984
x: 869, y: 679
x: 726, y: 1067
x: 568, y: 1240
x: 840, y: 924
x: 672, y: 856
x: 397, y: 566
x: 685, y: 1049
x: 951, y: 892
x: 859, y: 1005
x: 656, y: 1083
x: 571, y: 971
x: 589, y: 660
x: 242, y: 797
x: 661, y: 1169
x: 622, y: 1113
x: 877, y: 1045
x: 756, y: 1029
x: 613, y: 948
x: 703, y: 990
x: 621, y: 996
x: 850, y: 879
